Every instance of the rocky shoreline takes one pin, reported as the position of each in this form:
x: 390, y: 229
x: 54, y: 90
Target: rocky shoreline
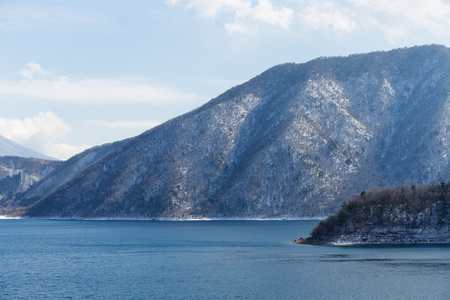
x: 401, y: 216
x: 385, y: 236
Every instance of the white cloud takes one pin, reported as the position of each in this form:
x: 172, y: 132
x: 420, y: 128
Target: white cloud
x: 65, y: 151
x: 126, y: 124
x: 239, y: 27
x: 210, y: 9
x: 89, y: 90
x: 396, y: 20
x: 327, y: 16
x: 40, y: 133
x: 405, y: 18
x: 400, y: 19
x: 244, y: 12
x: 32, y: 69
x: 22, y: 17
x: 267, y: 13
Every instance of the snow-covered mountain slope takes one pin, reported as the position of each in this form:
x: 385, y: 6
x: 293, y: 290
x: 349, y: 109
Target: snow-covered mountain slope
x: 17, y: 174
x: 294, y: 141
x: 64, y: 172
x: 10, y: 148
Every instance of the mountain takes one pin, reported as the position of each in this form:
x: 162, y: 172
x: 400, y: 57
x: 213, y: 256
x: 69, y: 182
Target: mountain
x: 295, y: 141
x: 10, y: 148
x: 405, y: 215
x: 20, y: 168
x: 17, y: 174
x: 62, y: 173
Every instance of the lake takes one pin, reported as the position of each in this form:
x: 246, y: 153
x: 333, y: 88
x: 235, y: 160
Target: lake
x: 57, y: 259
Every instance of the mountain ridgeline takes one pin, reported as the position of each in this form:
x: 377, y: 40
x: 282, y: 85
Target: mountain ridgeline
x: 56, y: 176
x: 10, y: 148
x: 295, y: 141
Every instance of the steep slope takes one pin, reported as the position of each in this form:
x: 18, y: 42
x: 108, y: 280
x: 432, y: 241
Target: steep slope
x: 405, y: 215
x: 294, y: 141
x: 10, y: 148
x: 64, y: 172
x: 17, y: 174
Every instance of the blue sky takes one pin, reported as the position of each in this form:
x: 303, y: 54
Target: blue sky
x: 76, y: 74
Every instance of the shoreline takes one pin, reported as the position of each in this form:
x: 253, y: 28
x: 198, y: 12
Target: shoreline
x: 434, y: 243
x: 167, y: 219
x: 3, y: 217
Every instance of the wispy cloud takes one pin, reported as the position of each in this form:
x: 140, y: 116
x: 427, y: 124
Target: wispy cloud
x: 267, y: 13
x: 41, y: 84
x: 210, y: 9
x: 244, y: 12
x: 403, y: 18
x: 33, y: 69
x: 328, y: 16
x: 40, y: 133
x: 240, y: 27
x: 23, y: 17
x: 397, y: 20
x: 400, y: 19
x: 126, y: 124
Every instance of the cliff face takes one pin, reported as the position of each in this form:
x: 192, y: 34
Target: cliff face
x: 294, y: 141
x: 17, y: 174
x: 416, y: 215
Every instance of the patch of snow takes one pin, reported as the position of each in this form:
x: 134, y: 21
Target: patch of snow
x: 10, y: 148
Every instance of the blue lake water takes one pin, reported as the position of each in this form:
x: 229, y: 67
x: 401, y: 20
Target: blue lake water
x: 49, y: 259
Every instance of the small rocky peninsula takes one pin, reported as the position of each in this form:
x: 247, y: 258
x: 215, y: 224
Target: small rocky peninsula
x: 390, y: 216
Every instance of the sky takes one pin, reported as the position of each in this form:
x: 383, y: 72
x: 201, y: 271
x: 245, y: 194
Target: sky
x: 77, y: 74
